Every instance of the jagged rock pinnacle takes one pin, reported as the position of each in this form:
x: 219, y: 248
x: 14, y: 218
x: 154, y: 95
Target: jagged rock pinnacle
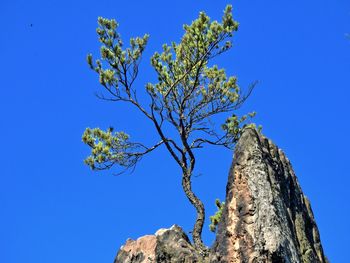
x: 267, y: 218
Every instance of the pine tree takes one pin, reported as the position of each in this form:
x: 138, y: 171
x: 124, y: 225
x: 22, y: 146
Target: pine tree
x: 189, y: 92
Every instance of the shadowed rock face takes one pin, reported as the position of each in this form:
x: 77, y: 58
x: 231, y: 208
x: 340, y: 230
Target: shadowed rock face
x: 266, y: 217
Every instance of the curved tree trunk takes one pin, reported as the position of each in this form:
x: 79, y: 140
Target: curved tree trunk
x: 197, y: 203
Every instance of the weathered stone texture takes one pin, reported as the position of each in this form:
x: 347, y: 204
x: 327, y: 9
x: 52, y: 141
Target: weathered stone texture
x: 266, y: 218
x: 167, y: 245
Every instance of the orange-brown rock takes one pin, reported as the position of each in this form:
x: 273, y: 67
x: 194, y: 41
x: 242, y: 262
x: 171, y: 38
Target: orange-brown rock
x: 167, y: 245
x: 143, y: 249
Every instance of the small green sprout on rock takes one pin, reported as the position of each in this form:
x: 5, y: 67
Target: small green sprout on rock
x: 216, y: 218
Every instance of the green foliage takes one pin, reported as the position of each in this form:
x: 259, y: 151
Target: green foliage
x: 118, y: 59
x: 189, y: 91
x: 190, y: 88
x: 178, y: 65
x: 232, y: 126
x: 108, y: 148
x: 216, y: 218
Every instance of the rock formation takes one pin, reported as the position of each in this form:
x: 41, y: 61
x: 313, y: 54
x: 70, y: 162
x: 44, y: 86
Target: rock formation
x: 167, y: 245
x: 266, y: 217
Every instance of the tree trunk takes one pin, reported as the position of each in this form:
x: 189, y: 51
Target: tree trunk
x: 197, y: 203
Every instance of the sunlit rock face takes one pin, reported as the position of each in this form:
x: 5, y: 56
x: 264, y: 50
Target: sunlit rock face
x: 167, y: 245
x: 266, y: 217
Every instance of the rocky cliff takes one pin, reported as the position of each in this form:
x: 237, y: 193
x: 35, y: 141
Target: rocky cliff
x: 266, y: 217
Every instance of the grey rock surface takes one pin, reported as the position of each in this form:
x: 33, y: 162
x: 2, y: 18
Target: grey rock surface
x: 266, y: 218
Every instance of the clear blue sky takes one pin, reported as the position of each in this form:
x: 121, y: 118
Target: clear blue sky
x: 54, y: 209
